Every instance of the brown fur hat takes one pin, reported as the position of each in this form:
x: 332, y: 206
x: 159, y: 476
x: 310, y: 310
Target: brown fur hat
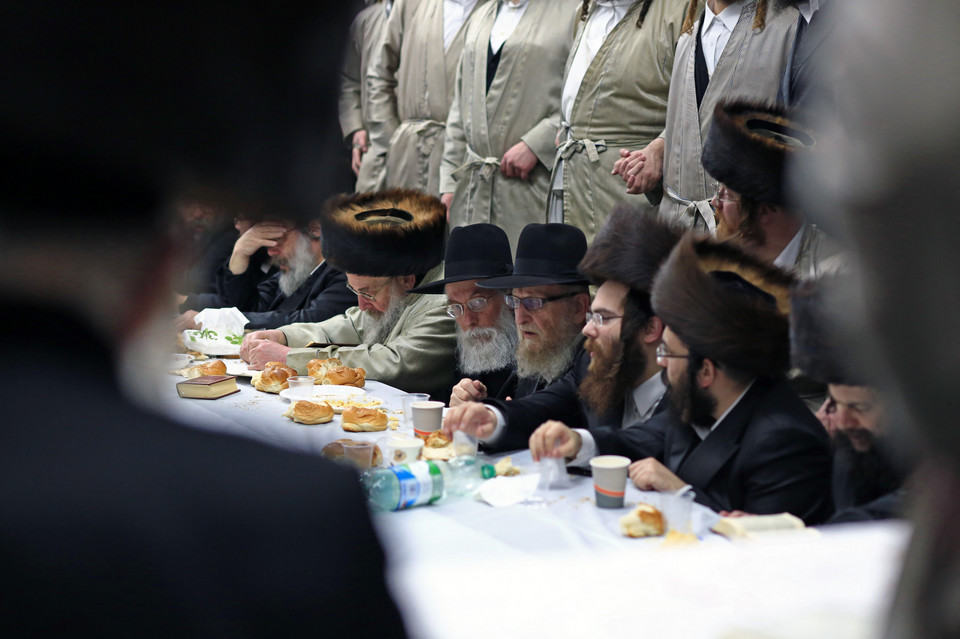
x: 748, y: 146
x: 385, y: 234
x: 816, y: 345
x: 744, y: 331
x: 630, y: 248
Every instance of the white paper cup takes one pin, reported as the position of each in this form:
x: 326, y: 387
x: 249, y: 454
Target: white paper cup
x: 609, y: 479
x: 401, y: 449
x: 427, y: 417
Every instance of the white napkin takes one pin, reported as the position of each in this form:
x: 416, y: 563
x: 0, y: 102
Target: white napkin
x: 508, y: 491
x: 218, y: 325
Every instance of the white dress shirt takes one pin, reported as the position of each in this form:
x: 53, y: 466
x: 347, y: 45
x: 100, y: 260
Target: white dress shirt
x: 807, y: 8
x: 788, y: 256
x: 455, y: 13
x: 508, y: 17
x: 716, y: 32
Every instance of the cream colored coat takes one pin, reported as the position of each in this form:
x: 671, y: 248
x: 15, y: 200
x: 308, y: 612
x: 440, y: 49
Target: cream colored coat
x: 523, y: 104
x: 417, y: 355
x: 411, y: 87
x: 819, y: 255
x: 366, y: 33
x: 621, y: 104
x: 750, y: 66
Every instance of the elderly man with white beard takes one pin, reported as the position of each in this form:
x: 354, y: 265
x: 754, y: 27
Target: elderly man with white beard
x: 304, y: 288
x: 486, y: 333
x: 387, y: 243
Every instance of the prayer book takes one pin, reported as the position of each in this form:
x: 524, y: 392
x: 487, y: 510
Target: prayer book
x: 208, y: 387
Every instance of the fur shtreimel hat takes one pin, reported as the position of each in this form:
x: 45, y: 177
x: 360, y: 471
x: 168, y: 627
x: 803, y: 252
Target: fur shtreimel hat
x: 748, y: 146
x: 816, y: 345
x: 630, y: 248
x: 726, y: 305
x: 384, y: 234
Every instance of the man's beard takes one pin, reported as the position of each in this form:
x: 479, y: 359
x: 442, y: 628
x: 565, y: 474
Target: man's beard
x: 748, y: 234
x: 553, y: 354
x: 614, y: 371
x: 300, y: 264
x: 780, y: 5
x: 489, y: 348
x: 873, y: 475
x: 379, y: 325
x: 694, y: 404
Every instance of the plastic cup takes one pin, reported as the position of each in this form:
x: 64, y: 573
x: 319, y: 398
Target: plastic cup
x: 405, y: 402
x: 427, y: 417
x: 464, y: 444
x: 609, y: 479
x: 360, y: 454
x: 300, y: 382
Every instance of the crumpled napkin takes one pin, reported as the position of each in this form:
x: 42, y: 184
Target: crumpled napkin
x: 221, y: 333
x: 508, y: 491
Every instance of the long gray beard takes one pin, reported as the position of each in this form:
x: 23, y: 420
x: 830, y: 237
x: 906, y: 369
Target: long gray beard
x: 489, y: 348
x: 548, y: 364
x: 379, y: 325
x: 301, y: 265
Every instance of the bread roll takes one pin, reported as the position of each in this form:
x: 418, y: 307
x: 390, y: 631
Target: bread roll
x: 273, y: 379
x: 345, y: 376
x: 642, y: 521
x: 437, y: 446
x: 317, y: 367
x: 334, y: 450
x: 215, y: 367
x: 306, y: 412
x: 361, y: 420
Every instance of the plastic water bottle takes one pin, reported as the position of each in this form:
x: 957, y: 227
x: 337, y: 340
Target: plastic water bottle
x: 423, y: 482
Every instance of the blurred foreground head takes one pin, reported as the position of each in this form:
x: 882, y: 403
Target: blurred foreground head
x: 113, y: 111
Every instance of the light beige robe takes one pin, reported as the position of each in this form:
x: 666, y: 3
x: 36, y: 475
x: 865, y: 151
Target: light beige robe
x: 416, y: 356
x: 366, y: 33
x: 819, y: 255
x: 411, y: 87
x: 483, y: 125
x: 750, y: 66
x: 621, y: 104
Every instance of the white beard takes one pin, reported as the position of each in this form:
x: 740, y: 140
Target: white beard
x: 301, y: 265
x: 379, y: 325
x: 490, y: 348
x: 555, y: 354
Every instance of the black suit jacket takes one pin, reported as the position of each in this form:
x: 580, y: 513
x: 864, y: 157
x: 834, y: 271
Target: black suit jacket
x: 323, y: 295
x: 801, y: 72
x: 117, y: 522
x: 768, y: 455
x: 860, y: 499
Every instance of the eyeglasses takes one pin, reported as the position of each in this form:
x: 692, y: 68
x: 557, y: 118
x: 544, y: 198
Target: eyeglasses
x: 723, y: 195
x: 663, y: 353
x: 598, y: 319
x: 475, y: 304
x: 368, y: 296
x: 533, y: 303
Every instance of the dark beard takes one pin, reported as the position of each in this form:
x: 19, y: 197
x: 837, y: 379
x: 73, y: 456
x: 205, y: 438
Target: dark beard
x: 694, y: 405
x: 612, y: 375
x: 872, y: 474
x: 780, y: 5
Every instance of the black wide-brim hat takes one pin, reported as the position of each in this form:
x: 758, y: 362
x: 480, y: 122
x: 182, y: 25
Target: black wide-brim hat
x: 384, y: 234
x: 475, y: 252
x: 748, y: 146
x: 546, y: 254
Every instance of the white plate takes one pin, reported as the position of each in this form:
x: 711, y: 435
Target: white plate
x: 238, y: 367
x: 323, y: 390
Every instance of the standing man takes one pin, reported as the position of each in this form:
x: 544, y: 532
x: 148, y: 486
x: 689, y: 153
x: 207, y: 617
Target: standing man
x: 411, y: 87
x: 366, y: 33
x: 806, y: 71
x: 614, y: 96
x: 499, y: 146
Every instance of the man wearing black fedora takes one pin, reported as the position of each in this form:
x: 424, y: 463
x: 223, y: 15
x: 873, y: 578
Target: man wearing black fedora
x: 486, y: 333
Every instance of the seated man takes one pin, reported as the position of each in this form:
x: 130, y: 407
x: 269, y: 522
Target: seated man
x: 550, y: 299
x: 868, y: 470
x: 305, y: 288
x: 751, y: 200
x: 386, y: 243
x: 619, y: 384
x: 486, y: 333
x: 737, y: 433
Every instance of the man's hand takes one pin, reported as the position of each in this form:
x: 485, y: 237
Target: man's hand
x: 554, y: 439
x: 263, y: 351
x: 361, y: 143
x: 251, y: 339
x: 185, y: 321
x: 641, y: 170
x: 518, y: 161
x: 467, y: 390
x: 827, y: 414
x: 649, y: 474
x: 447, y: 199
x: 472, y: 418
x: 259, y: 235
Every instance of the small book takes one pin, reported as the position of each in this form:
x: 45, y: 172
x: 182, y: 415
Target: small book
x: 208, y: 387
x: 757, y: 526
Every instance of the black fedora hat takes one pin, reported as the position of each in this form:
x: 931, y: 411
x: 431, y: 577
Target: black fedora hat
x: 546, y: 254
x: 475, y: 252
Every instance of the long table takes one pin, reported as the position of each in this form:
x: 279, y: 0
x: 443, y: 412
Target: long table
x: 557, y: 566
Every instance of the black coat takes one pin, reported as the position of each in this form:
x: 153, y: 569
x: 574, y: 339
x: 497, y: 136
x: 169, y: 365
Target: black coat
x: 323, y: 295
x: 117, y: 522
x: 769, y: 455
x: 244, y: 286
x: 859, y: 499
x: 798, y: 83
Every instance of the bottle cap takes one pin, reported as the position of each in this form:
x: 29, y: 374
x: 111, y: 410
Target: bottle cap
x: 487, y: 471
